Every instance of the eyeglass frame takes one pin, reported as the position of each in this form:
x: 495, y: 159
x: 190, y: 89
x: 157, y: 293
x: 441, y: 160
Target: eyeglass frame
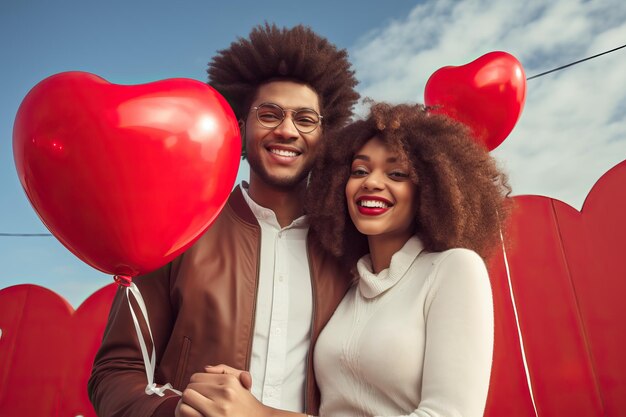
x: 256, y: 112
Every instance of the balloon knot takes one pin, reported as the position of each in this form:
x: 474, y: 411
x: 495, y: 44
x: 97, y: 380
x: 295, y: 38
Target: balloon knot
x: 123, y: 280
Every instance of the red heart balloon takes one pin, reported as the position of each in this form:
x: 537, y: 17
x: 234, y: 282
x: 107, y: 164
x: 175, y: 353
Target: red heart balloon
x: 126, y: 177
x: 487, y: 94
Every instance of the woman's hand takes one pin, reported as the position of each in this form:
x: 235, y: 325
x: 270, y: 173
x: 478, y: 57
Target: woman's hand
x: 221, y: 391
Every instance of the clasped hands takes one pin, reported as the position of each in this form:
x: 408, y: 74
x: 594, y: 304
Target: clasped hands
x: 220, y: 391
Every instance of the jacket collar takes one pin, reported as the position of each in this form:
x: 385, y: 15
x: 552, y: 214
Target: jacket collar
x: 239, y: 206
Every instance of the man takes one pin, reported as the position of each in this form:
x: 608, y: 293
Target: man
x: 255, y: 290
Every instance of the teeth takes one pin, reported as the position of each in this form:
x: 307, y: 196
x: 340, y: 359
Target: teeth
x: 373, y: 204
x: 283, y: 152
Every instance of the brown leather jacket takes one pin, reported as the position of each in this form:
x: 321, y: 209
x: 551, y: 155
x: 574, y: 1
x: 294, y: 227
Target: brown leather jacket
x: 201, y: 309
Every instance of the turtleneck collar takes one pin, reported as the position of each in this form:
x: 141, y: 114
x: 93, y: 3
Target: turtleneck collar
x: 371, y: 285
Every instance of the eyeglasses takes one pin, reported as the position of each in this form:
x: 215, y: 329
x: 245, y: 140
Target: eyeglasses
x: 271, y: 115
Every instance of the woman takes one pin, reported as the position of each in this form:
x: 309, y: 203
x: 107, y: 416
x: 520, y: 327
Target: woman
x: 415, y: 204
x: 414, y: 335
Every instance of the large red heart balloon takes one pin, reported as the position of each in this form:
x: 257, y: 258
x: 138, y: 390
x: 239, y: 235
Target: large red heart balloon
x: 126, y: 177
x: 487, y: 94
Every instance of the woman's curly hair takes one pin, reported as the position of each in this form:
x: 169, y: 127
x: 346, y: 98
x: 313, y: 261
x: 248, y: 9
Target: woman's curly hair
x: 297, y: 54
x: 462, y: 196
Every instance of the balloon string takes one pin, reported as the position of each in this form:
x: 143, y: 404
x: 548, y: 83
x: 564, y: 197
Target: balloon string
x: 148, y: 360
x: 519, y: 329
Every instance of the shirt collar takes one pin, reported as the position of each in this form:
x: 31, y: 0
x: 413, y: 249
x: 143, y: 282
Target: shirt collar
x: 372, y: 285
x: 267, y: 216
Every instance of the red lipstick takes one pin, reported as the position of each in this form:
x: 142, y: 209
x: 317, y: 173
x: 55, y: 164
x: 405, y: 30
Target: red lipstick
x: 373, y: 211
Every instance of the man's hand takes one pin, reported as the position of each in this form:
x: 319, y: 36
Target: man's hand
x: 185, y: 410
x: 243, y: 376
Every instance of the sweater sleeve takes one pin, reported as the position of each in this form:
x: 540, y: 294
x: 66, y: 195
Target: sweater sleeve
x: 459, y: 337
x: 118, y: 379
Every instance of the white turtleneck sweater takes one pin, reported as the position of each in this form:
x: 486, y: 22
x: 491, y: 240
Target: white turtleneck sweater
x: 414, y: 340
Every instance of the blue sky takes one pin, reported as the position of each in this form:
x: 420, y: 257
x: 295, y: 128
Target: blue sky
x: 571, y: 132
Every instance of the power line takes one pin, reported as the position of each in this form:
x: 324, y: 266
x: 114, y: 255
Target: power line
x: 574, y: 63
x: 25, y: 234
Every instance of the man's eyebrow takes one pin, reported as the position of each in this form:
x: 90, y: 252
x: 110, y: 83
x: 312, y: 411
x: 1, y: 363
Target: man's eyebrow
x: 366, y: 158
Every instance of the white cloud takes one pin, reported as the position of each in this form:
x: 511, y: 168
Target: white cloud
x: 572, y: 130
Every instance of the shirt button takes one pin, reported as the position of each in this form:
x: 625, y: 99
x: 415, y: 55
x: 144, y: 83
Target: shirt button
x: 280, y: 278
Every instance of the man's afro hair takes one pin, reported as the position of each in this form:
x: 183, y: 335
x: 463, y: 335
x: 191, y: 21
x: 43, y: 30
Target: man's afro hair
x: 297, y: 54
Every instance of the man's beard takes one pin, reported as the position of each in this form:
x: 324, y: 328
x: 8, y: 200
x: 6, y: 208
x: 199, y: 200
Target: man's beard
x: 282, y: 183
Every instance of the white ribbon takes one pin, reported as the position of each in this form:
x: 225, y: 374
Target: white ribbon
x: 148, y: 360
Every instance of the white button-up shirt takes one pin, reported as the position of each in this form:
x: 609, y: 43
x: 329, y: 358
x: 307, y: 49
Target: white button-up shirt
x: 282, y: 329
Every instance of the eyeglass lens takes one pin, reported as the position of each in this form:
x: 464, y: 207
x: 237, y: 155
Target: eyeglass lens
x: 272, y: 115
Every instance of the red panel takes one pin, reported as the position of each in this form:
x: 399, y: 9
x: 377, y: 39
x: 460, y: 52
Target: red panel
x: 595, y: 249
x: 35, y: 323
x: 556, y: 350
x: 88, y: 323
x: 47, y: 350
x: 508, y: 389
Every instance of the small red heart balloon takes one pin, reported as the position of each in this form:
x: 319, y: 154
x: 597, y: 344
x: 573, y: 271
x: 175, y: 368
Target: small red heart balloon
x: 487, y: 94
x: 126, y: 177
